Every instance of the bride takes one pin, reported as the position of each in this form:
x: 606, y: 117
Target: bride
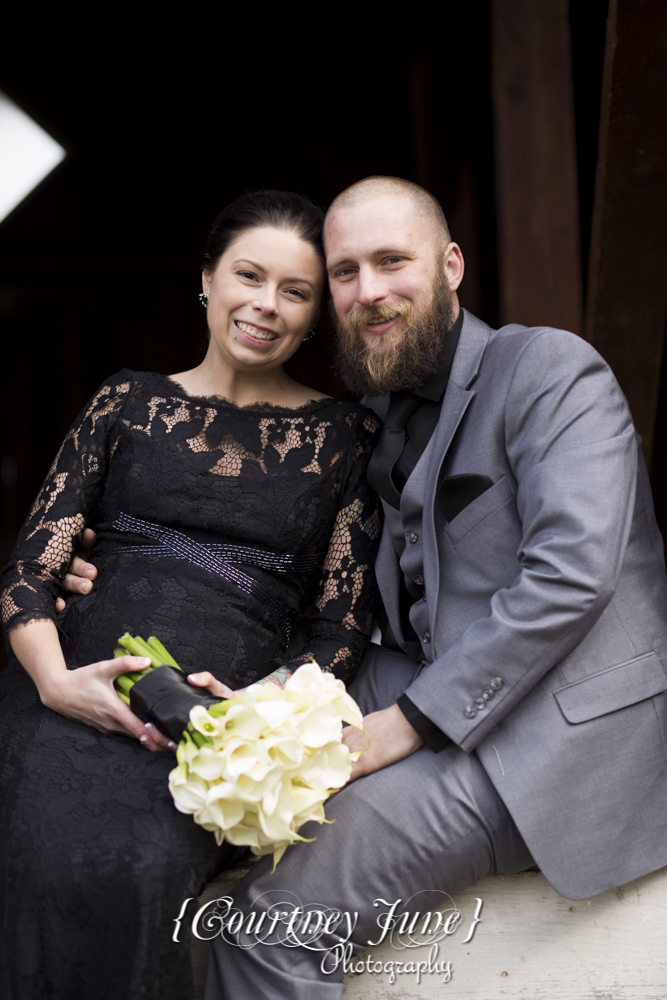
x: 226, y: 500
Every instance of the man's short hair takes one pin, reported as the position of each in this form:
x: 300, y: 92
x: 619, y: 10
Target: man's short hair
x: 369, y: 187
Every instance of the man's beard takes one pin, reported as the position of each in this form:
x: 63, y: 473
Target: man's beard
x: 408, y: 364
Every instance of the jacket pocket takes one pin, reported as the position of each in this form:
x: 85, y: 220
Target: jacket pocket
x: 611, y: 689
x: 479, y: 509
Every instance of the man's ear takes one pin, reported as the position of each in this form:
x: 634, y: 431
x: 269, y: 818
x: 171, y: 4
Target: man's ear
x: 454, y: 266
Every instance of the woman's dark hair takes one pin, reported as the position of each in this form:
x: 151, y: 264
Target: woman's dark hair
x: 281, y: 209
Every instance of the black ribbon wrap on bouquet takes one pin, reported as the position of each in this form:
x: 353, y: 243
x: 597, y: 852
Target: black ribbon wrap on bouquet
x: 164, y: 697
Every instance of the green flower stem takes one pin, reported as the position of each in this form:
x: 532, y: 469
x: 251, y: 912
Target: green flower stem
x: 198, y: 738
x: 136, y: 646
x: 163, y: 654
x: 123, y: 684
x: 152, y: 648
x: 220, y: 709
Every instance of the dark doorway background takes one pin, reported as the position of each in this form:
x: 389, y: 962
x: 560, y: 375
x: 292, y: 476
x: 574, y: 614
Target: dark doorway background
x: 100, y: 266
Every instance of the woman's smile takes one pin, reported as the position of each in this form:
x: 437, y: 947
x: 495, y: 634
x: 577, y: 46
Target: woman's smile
x: 255, y: 334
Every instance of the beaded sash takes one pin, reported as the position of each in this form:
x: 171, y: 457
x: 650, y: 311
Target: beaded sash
x: 222, y: 558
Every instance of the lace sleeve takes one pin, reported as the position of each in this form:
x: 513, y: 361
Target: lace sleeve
x: 65, y: 504
x: 344, y: 606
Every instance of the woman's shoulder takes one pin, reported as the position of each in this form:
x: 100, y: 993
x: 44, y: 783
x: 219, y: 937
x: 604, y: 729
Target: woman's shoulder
x: 130, y: 377
x: 124, y: 381
x: 117, y: 390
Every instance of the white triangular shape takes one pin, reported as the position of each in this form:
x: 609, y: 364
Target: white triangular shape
x: 27, y: 155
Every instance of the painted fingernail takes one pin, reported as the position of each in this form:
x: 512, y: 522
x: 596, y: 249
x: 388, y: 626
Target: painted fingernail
x: 144, y: 661
x: 143, y: 739
x: 148, y: 725
x: 171, y: 745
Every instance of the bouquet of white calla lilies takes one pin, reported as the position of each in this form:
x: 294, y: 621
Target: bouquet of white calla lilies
x: 254, y: 768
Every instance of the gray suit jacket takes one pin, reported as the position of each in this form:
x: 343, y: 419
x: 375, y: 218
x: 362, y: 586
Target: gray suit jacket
x: 552, y: 580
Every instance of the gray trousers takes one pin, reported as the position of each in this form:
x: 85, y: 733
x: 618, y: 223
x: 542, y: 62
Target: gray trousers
x: 429, y: 822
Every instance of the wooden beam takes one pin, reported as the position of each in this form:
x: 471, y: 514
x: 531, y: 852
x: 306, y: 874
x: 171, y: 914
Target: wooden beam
x: 626, y: 302
x: 536, y: 167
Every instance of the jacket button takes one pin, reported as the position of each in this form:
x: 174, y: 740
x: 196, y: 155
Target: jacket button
x: 426, y: 637
x: 414, y: 537
x: 480, y: 703
x: 419, y: 580
x: 470, y: 711
x: 496, y: 683
x: 488, y: 694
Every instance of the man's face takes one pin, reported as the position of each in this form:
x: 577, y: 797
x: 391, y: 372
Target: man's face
x: 392, y: 292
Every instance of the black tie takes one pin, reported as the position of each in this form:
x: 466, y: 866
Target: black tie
x: 390, y: 446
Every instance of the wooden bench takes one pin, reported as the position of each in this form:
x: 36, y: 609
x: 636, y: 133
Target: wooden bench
x: 530, y: 943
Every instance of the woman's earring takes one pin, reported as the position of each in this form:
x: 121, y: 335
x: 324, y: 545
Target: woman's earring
x: 309, y: 335
x: 203, y: 298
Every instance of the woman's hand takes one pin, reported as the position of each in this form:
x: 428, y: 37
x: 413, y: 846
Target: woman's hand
x: 87, y: 695
x: 213, y: 686
x: 80, y: 576
x: 220, y: 690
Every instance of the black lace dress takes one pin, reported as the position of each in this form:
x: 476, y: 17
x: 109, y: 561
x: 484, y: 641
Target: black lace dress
x: 217, y: 525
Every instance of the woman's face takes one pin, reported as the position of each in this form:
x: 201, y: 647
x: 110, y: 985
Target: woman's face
x: 263, y: 298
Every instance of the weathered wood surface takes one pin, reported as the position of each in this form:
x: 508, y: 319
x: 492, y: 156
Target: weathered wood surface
x: 533, y: 944
x: 626, y: 301
x: 536, y: 164
x: 530, y: 943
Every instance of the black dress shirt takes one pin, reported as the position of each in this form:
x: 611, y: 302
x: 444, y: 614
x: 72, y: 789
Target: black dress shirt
x: 410, y: 422
x: 414, y: 415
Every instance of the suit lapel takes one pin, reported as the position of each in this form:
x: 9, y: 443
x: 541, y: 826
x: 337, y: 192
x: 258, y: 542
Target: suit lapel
x: 388, y: 573
x: 467, y: 361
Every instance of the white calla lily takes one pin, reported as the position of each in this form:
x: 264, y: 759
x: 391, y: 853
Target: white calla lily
x: 275, y: 713
x: 320, y: 726
x: 263, y: 763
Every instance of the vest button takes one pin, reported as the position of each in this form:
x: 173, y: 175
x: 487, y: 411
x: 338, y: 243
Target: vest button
x: 419, y: 580
x: 426, y: 637
x: 414, y: 537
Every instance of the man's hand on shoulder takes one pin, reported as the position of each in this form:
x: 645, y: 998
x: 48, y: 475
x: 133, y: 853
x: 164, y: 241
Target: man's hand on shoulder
x: 387, y: 738
x: 80, y: 576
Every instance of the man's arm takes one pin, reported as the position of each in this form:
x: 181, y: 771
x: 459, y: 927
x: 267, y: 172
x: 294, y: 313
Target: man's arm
x: 573, y: 454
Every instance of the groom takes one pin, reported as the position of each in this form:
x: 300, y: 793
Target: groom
x: 517, y: 708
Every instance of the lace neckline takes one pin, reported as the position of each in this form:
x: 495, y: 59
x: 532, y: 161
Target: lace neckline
x: 262, y: 407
